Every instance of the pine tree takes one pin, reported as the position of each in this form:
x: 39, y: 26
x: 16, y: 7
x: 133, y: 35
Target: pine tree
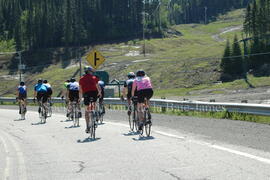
x: 237, y: 59
x: 226, y: 61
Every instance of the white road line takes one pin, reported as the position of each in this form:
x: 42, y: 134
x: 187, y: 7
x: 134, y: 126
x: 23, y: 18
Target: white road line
x: 21, y: 163
x: 6, y: 170
x: 236, y: 152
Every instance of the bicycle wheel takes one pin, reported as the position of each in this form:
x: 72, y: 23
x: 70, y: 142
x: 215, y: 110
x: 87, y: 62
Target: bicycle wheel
x: 76, y: 115
x: 92, y: 126
x: 49, y: 111
x: 42, y: 115
x: 23, y: 110
x: 45, y: 112
x: 131, y: 123
x: 101, y: 109
x: 135, y: 119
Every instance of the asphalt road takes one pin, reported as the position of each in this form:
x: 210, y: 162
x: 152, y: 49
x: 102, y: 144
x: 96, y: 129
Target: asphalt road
x: 179, y: 148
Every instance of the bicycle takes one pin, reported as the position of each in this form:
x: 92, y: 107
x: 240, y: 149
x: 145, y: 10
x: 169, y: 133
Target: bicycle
x: 92, y: 119
x: 22, y: 108
x: 49, y: 108
x: 133, y: 114
x: 147, y: 124
x: 100, y: 109
x: 74, y: 113
x: 43, y: 111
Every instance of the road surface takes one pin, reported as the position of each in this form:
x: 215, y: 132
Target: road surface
x: 180, y: 148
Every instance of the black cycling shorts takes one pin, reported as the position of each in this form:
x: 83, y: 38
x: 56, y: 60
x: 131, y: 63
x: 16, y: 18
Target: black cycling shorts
x: 73, y: 95
x: 43, y: 96
x: 22, y: 96
x: 102, y: 93
x: 90, y: 96
x: 144, y: 94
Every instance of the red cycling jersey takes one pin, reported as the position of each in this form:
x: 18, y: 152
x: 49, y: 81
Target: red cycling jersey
x: 88, y: 83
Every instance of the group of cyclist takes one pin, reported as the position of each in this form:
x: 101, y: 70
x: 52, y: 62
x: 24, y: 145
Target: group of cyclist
x: 91, y: 88
x: 138, y: 88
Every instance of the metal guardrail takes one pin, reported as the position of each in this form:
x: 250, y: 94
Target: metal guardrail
x: 256, y: 109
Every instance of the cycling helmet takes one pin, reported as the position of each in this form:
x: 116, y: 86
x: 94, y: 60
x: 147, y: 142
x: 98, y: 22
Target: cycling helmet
x: 40, y: 81
x: 22, y: 83
x: 140, y: 73
x: 45, y: 81
x: 68, y: 81
x: 72, y: 80
x: 131, y: 75
x: 88, y: 69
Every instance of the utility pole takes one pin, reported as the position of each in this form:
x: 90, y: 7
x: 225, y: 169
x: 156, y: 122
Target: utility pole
x: 80, y: 66
x: 144, y: 28
x: 205, y: 15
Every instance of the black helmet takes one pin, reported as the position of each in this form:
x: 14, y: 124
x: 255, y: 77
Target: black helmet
x: 45, y: 81
x: 67, y: 80
x: 40, y: 81
x: 22, y: 83
x: 72, y: 80
x: 131, y: 75
x: 140, y: 73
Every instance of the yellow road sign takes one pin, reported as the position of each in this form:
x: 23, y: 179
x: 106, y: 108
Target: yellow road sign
x: 95, y: 59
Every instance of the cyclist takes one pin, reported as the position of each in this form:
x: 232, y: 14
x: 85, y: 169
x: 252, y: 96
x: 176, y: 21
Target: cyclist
x: 144, y: 92
x: 89, y: 89
x: 40, y: 92
x: 73, y: 94
x: 102, y: 86
x: 49, y: 90
x: 127, y: 89
x: 22, y: 94
x: 66, y: 94
x: 66, y: 83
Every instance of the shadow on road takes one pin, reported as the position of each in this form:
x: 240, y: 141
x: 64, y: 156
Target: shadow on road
x: 19, y: 119
x: 38, y: 123
x: 66, y: 120
x: 70, y: 127
x: 143, y: 138
x: 131, y: 133
x: 87, y: 140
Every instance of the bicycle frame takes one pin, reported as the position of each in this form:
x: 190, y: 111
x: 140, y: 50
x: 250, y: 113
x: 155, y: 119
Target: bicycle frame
x: 43, y: 111
x: 22, y: 106
x: 75, y: 113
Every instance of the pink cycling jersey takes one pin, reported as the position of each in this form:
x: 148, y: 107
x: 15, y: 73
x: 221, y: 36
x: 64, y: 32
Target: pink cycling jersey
x: 142, y: 83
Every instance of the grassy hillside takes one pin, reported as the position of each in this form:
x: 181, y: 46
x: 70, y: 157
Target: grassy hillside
x: 186, y: 60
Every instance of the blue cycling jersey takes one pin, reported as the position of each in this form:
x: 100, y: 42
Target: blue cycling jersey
x: 40, y: 88
x: 22, y: 89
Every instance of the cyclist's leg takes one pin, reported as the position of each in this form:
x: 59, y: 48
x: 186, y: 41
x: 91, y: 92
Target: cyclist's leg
x: 87, y: 110
x: 70, y: 100
x: 148, y: 95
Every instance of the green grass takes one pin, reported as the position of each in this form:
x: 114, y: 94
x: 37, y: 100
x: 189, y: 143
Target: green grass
x: 219, y: 115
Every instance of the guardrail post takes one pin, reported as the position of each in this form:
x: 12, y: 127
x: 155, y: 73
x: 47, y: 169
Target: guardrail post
x: 2, y: 102
x: 163, y: 109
